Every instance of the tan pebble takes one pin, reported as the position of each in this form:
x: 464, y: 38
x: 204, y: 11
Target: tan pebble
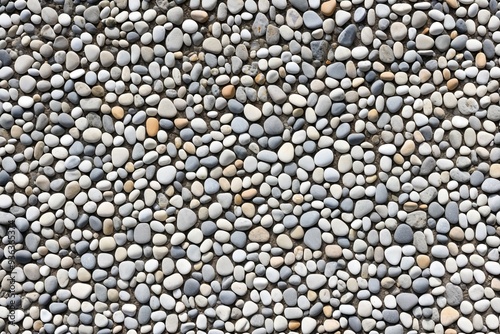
x: 398, y: 158
x: 328, y: 311
x: 457, y: 234
x: 495, y: 284
x: 446, y: 74
x: 373, y: 115
x: 453, y: 248
x: 284, y: 241
x: 128, y: 186
x: 333, y: 251
x: 298, y: 199
x: 410, y: 206
x: 37, y: 325
x: 387, y: 76
x: 480, y: 60
x: 311, y: 295
x: 181, y: 123
x: 248, y: 210
x: 228, y: 91
x: 260, y: 79
x: 454, y: 34
x: 452, y: 84
x: 495, y: 170
x: 189, y: 148
x: 453, y: 3
x: 259, y: 234
x: 297, y: 232
x: 117, y: 112
x: 449, y: 315
x: 293, y: 325
x: 16, y: 131
x: 107, y: 226
x: 152, y: 126
x: 423, y: 261
x: 248, y: 194
x: 229, y: 171
x: 113, y: 295
x: 387, y: 282
x: 276, y: 261
x: 327, y: 8
x: 224, y: 184
x: 424, y: 75
x: 450, y: 331
x: 67, y: 262
x: 356, y: 82
x: 237, y: 199
x: 331, y: 325
x: 408, y: 148
x: 120, y: 254
x: 199, y: 16
x: 129, y: 167
x: 83, y: 275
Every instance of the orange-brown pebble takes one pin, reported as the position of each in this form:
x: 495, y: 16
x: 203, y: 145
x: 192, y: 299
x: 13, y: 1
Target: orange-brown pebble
x: 327, y: 8
x: 152, y: 126
x: 228, y: 91
x: 117, y: 112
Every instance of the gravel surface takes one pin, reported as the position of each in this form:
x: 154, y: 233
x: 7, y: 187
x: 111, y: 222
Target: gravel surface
x: 257, y: 166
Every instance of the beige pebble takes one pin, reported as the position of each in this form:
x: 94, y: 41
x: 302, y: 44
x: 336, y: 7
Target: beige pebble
x: 423, y: 261
x: 117, y: 112
x: 449, y: 315
x: 495, y: 170
x: 248, y: 209
x: 333, y: 251
x: 480, y: 60
x: 152, y: 126
x: 228, y: 91
x: 457, y: 234
x: 327, y: 8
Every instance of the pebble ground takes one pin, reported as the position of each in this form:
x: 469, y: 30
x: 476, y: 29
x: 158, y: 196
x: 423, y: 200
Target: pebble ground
x: 258, y: 166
